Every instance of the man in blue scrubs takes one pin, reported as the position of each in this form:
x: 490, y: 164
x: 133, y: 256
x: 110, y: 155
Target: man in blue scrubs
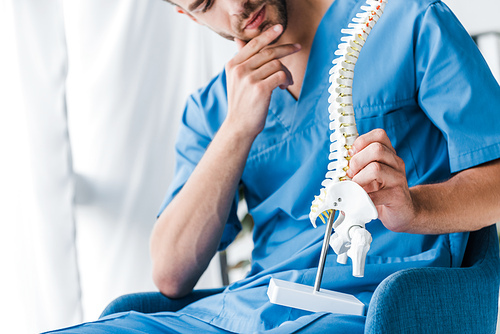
x: 426, y: 106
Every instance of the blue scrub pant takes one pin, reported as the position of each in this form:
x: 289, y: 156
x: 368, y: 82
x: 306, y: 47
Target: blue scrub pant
x: 115, y: 320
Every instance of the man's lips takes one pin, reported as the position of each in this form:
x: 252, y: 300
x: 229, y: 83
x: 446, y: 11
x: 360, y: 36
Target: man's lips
x: 256, y: 20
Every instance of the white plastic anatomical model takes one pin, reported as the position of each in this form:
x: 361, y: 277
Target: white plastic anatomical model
x: 355, y: 207
x: 339, y: 193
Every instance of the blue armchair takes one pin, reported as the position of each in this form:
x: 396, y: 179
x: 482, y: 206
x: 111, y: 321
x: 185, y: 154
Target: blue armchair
x: 442, y: 300
x: 419, y: 300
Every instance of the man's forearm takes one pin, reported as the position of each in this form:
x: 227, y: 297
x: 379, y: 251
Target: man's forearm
x: 187, y: 233
x: 468, y: 201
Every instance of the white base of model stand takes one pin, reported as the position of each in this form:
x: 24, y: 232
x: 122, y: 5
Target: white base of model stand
x: 305, y: 297
x: 311, y: 298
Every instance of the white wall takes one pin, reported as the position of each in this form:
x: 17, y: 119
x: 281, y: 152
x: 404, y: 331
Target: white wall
x: 480, y: 18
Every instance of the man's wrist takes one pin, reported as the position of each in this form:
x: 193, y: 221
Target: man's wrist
x: 420, y: 212
x: 237, y: 132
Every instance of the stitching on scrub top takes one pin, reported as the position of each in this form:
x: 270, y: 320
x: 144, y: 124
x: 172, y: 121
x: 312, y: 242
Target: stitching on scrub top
x: 289, y: 136
x: 384, y: 106
x: 457, y: 158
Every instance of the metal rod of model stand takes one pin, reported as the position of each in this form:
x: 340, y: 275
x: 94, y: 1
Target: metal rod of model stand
x: 324, y: 251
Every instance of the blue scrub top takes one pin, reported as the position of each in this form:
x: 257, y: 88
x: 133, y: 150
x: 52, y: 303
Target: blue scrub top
x: 419, y: 77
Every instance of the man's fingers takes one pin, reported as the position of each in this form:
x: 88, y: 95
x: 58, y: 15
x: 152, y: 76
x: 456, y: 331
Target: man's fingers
x: 371, y: 178
x: 239, y: 44
x: 376, y: 135
x: 374, y: 152
x: 289, y: 80
x: 257, y: 44
x: 270, y: 53
x: 278, y: 79
x: 377, y: 176
x: 257, y: 61
x: 269, y: 69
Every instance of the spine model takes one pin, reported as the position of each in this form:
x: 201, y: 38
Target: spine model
x: 355, y: 206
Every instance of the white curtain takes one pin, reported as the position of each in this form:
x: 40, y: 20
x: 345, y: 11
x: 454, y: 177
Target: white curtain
x: 91, y: 95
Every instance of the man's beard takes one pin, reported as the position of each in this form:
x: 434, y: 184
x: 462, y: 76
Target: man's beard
x: 250, y: 8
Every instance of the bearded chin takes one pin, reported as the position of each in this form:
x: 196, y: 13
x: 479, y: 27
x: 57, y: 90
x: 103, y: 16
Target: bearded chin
x: 281, y: 16
x: 281, y: 12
